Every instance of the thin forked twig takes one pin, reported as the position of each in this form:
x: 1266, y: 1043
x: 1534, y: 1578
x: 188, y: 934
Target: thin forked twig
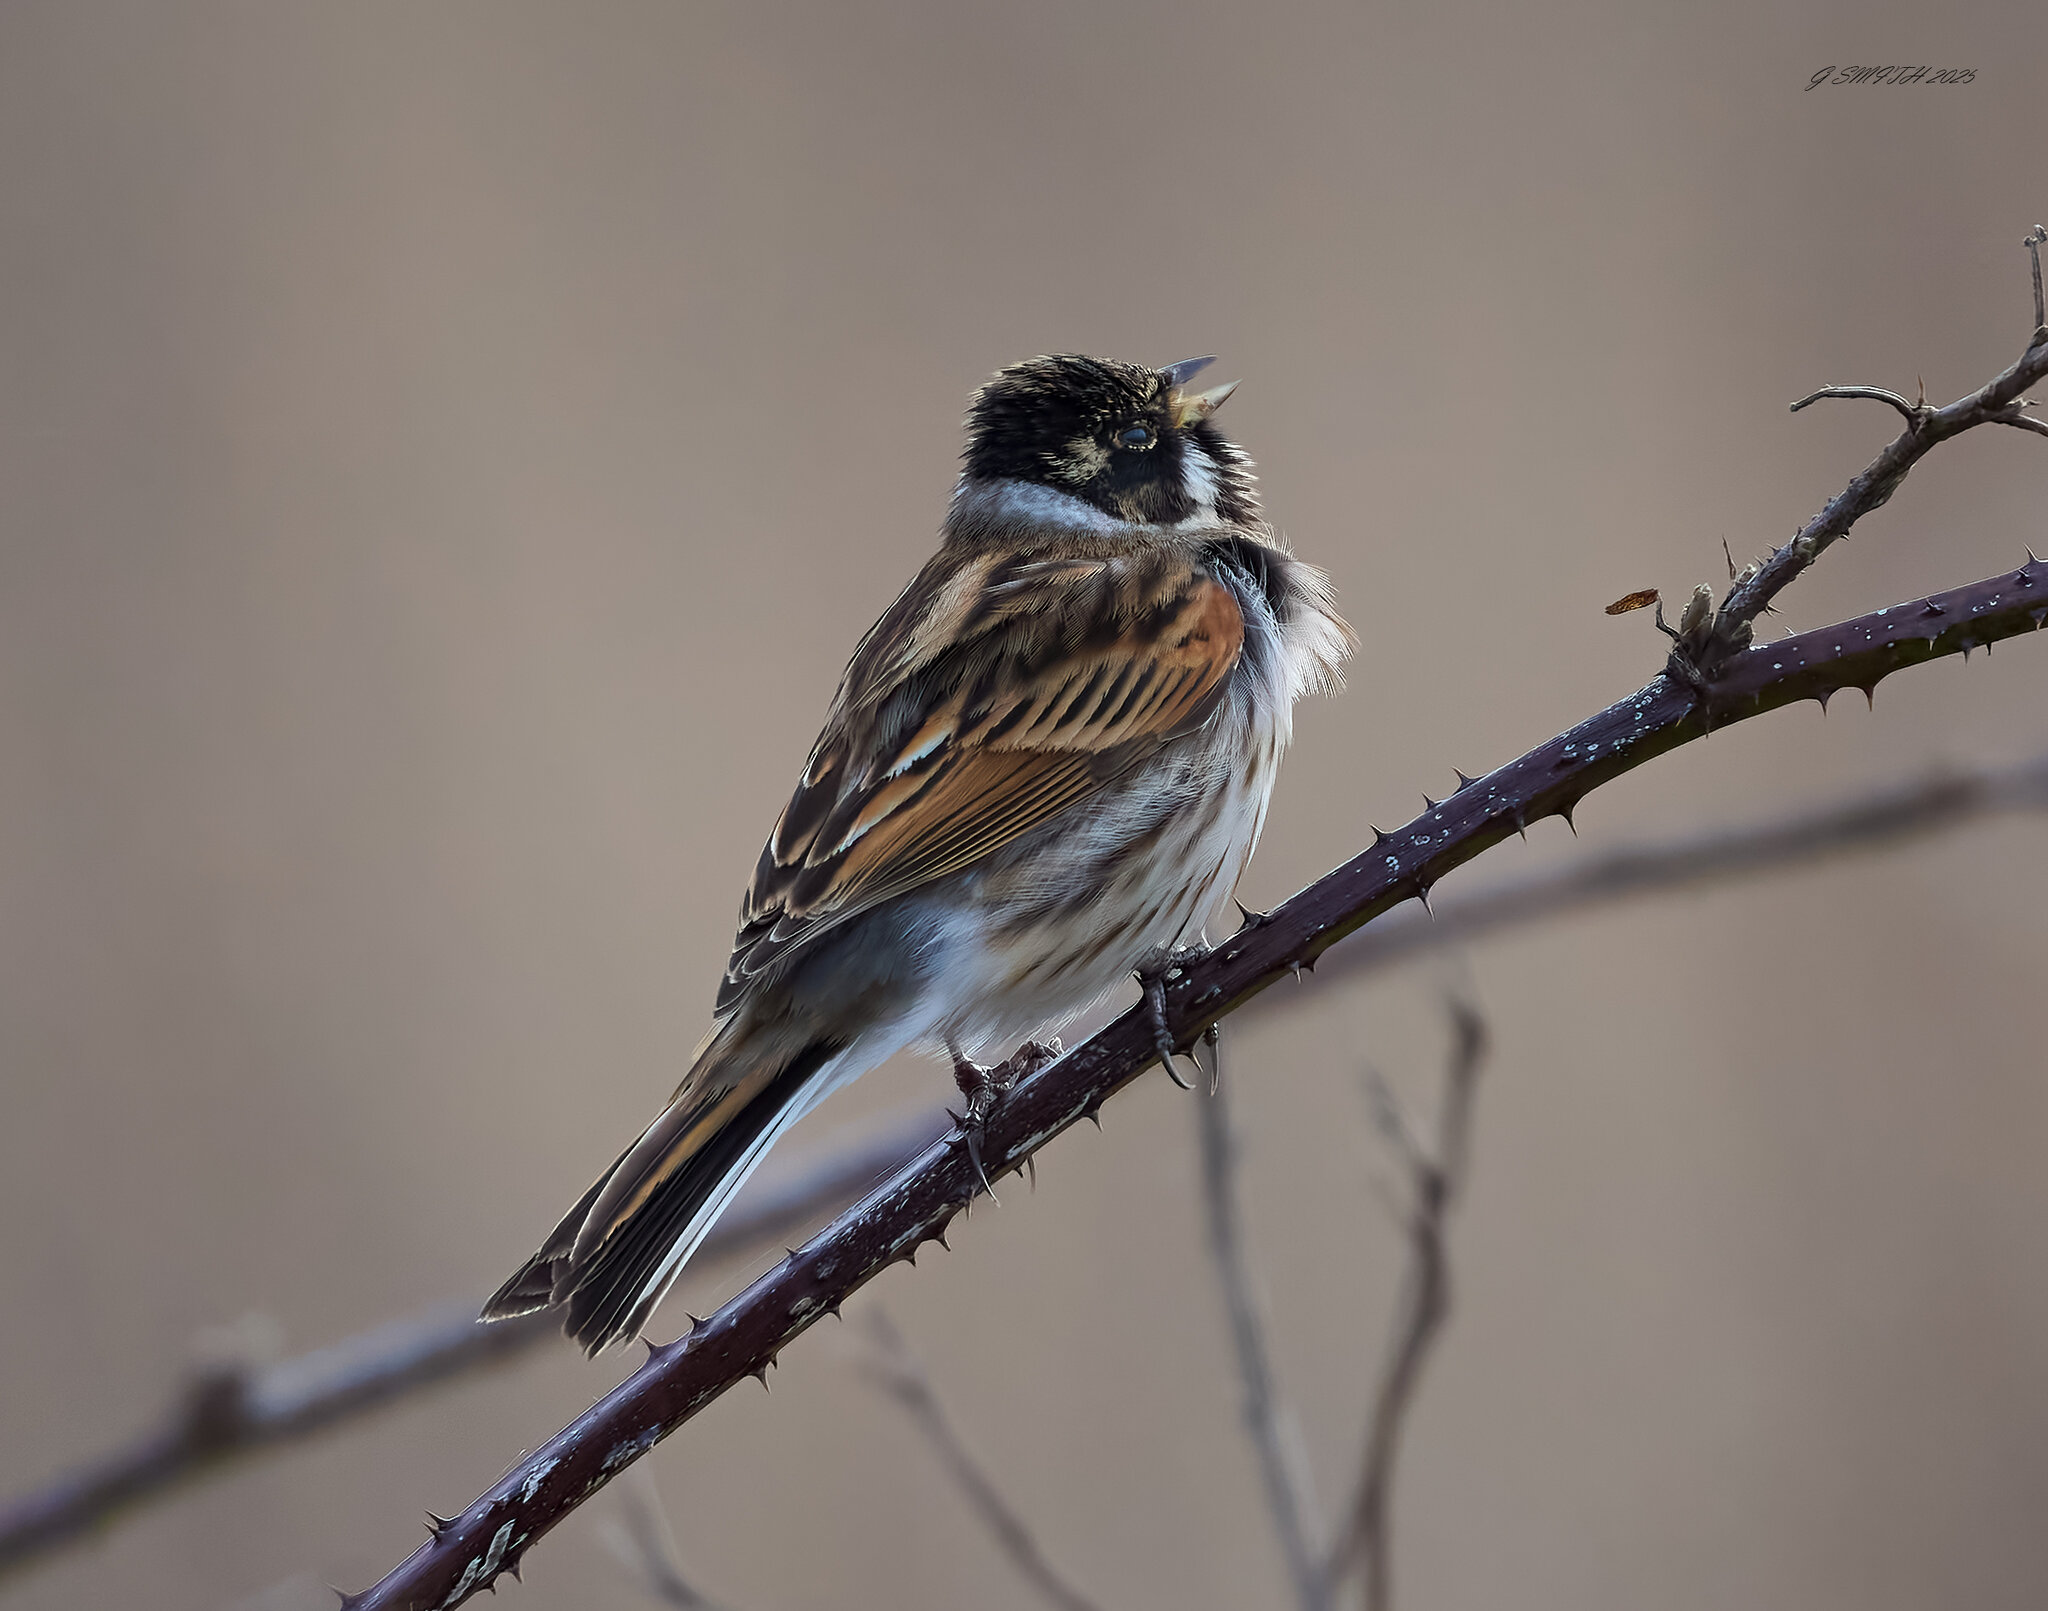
x: 1997, y: 402
x: 645, y: 1545
x: 1435, y: 1182
x: 1275, y: 1435
x: 897, y: 1370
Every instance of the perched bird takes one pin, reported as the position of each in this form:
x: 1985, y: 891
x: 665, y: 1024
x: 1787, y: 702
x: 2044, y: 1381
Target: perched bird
x: 1046, y: 766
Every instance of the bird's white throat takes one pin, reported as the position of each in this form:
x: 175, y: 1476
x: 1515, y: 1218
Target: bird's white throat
x: 1028, y: 502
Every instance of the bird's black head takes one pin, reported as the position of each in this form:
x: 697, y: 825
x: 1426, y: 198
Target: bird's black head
x: 1135, y: 443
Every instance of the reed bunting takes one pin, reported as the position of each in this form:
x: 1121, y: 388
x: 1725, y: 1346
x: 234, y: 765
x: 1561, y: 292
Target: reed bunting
x: 1046, y: 766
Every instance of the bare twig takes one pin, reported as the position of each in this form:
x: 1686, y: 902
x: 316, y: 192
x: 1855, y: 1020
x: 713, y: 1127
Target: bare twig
x: 2032, y: 243
x: 901, y: 1374
x: 1435, y: 1183
x: 1997, y: 402
x: 920, y: 1202
x: 645, y: 1545
x: 1875, y: 393
x: 233, y: 1408
x: 1275, y: 1435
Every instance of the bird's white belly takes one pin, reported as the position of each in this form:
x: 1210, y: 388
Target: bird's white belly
x: 1046, y: 934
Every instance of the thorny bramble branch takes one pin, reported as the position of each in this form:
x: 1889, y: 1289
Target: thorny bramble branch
x: 1713, y: 677
x: 917, y: 1206
x: 302, y: 1396
x: 1699, y: 689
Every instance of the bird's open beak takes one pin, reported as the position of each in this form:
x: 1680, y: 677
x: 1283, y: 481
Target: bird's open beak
x: 1189, y: 406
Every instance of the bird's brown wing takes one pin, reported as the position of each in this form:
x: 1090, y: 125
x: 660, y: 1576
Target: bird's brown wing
x: 994, y: 694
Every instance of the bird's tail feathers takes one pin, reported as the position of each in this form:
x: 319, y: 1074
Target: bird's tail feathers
x: 620, y: 1248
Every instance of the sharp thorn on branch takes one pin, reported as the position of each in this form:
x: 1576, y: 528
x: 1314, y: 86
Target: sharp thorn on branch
x: 973, y: 1134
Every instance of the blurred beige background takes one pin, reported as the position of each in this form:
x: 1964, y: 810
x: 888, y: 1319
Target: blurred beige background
x: 447, y: 453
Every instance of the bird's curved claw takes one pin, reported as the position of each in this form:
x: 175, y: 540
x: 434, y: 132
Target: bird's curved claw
x: 985, y: 1088
x: 1152, y: 980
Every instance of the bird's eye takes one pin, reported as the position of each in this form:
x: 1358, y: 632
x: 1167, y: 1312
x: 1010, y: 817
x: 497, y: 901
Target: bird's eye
x: 1135, y: 436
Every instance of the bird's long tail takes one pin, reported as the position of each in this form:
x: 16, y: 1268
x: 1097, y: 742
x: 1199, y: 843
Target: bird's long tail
x: 621, y: 1247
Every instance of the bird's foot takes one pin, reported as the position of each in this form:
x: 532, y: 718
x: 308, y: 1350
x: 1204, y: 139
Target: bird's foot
x: 984, y: 1088
x: 1152, y: 977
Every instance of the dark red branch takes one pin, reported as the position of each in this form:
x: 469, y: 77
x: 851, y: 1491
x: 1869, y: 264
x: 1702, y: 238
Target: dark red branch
x: 919, y: 1203
x: 293, y: 1399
